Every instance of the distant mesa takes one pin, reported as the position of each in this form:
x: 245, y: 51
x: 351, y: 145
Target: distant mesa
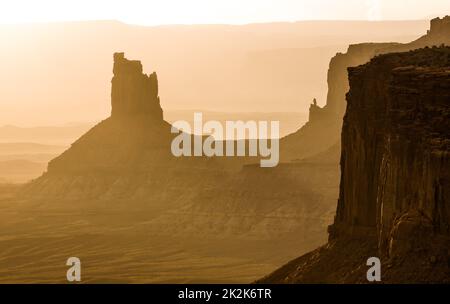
x: 439, y: 26
x: 323, y: 130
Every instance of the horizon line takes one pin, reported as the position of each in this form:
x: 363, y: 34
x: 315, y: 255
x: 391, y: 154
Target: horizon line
x: 213, y: 24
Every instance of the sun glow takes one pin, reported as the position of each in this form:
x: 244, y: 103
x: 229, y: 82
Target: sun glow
x: 150, y: 12
x: 154, y: 12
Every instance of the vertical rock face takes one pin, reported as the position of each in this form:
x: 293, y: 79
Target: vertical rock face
x: 440, y: 26
x: 133, y: 93
x: 323, y: 128
x: 136, y: 127
x: 394, y: 200
x: 395, y: 161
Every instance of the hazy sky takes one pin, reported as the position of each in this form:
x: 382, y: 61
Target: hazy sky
x: 154, y: 12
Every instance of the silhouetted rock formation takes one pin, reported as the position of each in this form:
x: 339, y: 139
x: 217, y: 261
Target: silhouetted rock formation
x: 440, y: 26
x: 337, y: 73
x: 135, y: 137
x: 127, y: 158
x: 358, y: 54
x: 324, y: 126
x: 395, y: 165
x: 396, y: 144
x: 132, y: 92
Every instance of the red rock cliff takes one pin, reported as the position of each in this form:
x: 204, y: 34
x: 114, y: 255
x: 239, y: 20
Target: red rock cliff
x: 394, y: 200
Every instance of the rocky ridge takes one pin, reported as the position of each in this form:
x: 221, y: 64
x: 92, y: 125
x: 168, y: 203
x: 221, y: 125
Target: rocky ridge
x: 323, y: 129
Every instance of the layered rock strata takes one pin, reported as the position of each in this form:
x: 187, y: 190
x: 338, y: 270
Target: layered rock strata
x: 395, y: 163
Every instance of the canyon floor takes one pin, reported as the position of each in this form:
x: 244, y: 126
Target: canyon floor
x: 116, y: 244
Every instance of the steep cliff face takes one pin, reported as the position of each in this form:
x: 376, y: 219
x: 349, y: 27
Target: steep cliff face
x: 358, y: 54
x: 337, y: 77
x: 132, y: 137
x: 324, y: 127
x: 126, y: 162
x: 132, y: 92
x: 395, y: 164
x: 396, y: 147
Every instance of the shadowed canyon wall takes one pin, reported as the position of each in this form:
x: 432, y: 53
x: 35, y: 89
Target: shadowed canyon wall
x: 118, y: 191
x: 324, y: 126
x: 132, y: 92
x: 395, y: 156
x: 394, y: 200
x: 120, y: 182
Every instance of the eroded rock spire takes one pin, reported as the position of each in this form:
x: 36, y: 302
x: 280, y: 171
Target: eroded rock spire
x: 133, y: 93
